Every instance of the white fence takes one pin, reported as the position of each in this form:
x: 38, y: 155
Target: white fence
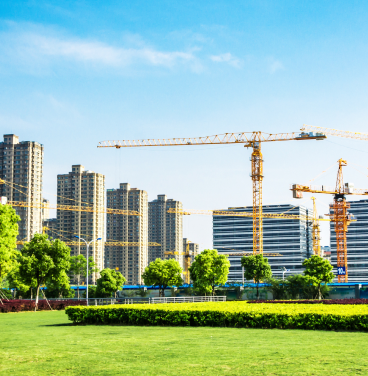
x: 184, y: 299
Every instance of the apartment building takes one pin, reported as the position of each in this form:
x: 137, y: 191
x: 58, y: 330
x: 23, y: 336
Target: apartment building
x: 166, y: 229
x: 289, y: 239
x: 21, y: 166
x: 83, y: 188
x: 130, y: 259
x: 193, y: 249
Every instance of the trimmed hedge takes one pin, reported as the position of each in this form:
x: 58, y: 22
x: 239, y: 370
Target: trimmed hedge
x: 307, y: 301
x: 29, y: 305
x: 227, y: 314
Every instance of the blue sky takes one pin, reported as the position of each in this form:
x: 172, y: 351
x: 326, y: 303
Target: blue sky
x: 73, y: 73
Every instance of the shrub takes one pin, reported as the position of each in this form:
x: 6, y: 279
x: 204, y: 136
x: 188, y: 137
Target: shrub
x: 306, y: 301
x: 228, y: 314
x: 29, y: 305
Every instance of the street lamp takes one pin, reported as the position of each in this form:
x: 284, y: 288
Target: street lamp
x: 87, y: 246
x: 284, y: 270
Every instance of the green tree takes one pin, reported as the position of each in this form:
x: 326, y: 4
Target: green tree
x: 277, y: 286
x: 109, y: 282
x: 42, y: 261
x: 78, y: 268
x: 163, y: 273
x: 209, y: 270
x: 256, y: 268
x: 8, y: 238
x: 320, y: 269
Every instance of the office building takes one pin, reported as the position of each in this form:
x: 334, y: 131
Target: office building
x: 80, y: 188
x: 130, y: 260
x: 290, y: 239
x: 166, y: 229
x: 357, y: 243
x: 193, y: 249
x: 21, y: 166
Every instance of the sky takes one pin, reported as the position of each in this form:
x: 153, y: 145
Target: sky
x: 73, y: 73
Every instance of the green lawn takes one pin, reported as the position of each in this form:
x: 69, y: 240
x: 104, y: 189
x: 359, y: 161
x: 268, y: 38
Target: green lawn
x: 45, y: 343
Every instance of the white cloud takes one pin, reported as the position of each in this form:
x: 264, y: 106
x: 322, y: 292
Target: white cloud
x: 42, y: 47
x: 275, y: 65
x: 227, y: 58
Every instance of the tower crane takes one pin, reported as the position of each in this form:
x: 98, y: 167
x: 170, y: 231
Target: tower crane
x: 187, y: 260
x: 339, y: 216
x: 316, y: 231
x: 249, y: 139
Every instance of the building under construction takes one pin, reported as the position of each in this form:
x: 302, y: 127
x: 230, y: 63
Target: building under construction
x: 356, y: 242
x: 290, y: 238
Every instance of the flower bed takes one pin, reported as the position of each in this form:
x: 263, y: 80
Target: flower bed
x: 227, y: 314
x: 29, y: 305
x: 323, y: 301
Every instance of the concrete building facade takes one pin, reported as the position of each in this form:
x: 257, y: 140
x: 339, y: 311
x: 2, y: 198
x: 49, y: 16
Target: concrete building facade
x: 84, y: 189
x: 131, y: 260
x: 290, y: 238
x: 165, y: 228
x: 21, y: 165
x: 357, y: 243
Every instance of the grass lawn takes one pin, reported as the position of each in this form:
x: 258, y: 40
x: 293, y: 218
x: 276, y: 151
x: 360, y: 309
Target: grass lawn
x: 45, y: 343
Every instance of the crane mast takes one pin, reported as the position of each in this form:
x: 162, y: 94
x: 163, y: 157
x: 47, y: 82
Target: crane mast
x: 340, y: 217
x: 316, y: 232
x: 257, y: 178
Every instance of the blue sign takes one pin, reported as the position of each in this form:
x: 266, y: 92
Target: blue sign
x: 341, y: 270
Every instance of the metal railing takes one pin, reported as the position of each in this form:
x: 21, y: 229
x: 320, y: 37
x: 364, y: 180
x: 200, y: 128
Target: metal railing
x: 188, y: 299
x: 181, y: 299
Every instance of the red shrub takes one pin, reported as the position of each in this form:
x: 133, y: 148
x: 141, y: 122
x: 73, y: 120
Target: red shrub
x: 18, y: 305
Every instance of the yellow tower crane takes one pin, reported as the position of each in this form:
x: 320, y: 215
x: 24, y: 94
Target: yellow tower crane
x: 249, y: 139
x: 339, y: 216
x: 316, y: 231
x: 187, y: 260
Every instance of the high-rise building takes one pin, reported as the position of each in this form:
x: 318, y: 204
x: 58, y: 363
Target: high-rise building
x: 45, y: 209
x: 83, y: 188
x: 193, y: 249
x: 130, y: 260
x: 290, y: 238
x: 165, y: 228
x: 21, y: 165
x: 50, y: 227
x: 356, y: 241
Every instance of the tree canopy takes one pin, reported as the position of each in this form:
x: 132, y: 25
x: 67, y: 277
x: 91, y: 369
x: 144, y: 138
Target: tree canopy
x: 8, y: 239
x: 319, y: 270
x: 208, y: 270
x: 163, y: 273
x: 257, y: 268
x: 42, y: 260
x: 109, y: 282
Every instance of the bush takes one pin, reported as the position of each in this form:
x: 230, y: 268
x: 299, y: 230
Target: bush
x: 228, y: 314
x: 323, y: 301
x: 29, y: 305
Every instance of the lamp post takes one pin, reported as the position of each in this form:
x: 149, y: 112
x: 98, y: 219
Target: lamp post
x: 284, y: 270
x: 87, y: 247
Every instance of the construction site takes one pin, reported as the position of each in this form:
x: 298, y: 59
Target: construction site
x: 132, y: 232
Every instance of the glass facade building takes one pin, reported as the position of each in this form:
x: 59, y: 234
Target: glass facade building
x: 357, y: 243
x: 290, y: 238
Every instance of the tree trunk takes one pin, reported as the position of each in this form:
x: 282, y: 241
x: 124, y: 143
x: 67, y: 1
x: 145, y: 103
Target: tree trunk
x: 319, y: 292
x: 257, y: 290
x: 38, y: 291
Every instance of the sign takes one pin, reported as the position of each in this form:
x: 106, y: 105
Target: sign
x: 341, y: 270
